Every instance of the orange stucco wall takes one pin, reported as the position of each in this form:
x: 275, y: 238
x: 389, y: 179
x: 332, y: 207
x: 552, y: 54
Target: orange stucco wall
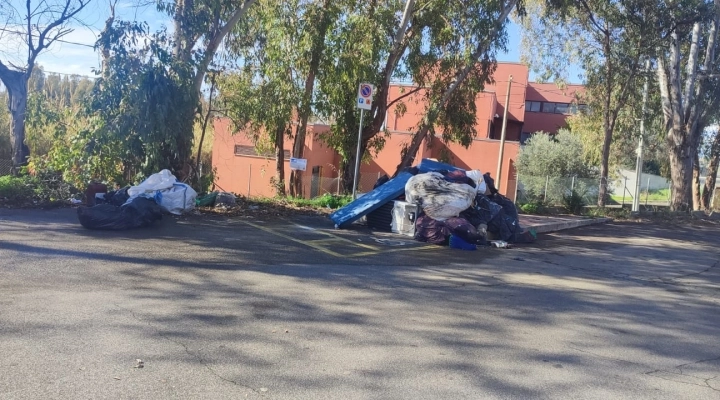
x: 251, y: 174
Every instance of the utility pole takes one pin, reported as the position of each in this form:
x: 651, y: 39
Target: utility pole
x: 639, y: 163
x: 502, y: 135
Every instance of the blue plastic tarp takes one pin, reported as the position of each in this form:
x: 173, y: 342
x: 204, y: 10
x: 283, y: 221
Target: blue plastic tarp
x: 370, y: 202
x: 382, y: 194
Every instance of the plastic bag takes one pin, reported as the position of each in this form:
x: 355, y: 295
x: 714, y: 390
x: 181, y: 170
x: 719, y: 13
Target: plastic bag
x: 159, y: 181
x: 226, y: 199
x: 206, y: 201
x: 479, y: 180
x: 439, y: 198
x: 138, y: 213
x: 177, y: 199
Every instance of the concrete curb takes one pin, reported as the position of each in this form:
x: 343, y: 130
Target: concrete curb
x: 555, y: 226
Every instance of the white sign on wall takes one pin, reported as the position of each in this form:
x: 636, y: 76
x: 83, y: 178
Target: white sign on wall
x: 298, y: 163
x: 365, y: 95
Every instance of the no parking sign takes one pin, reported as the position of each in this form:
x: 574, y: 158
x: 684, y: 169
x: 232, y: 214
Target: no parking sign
x: 365, y: 94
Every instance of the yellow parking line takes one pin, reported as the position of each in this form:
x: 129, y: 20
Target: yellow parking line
x: 282, y: 235
x: 317, y: 244
x: 340, y: 238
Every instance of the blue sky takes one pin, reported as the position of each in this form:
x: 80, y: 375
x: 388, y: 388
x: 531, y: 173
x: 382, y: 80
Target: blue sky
x: 79, y: 58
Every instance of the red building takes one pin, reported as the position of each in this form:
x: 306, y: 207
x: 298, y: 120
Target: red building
x: 532, y: 107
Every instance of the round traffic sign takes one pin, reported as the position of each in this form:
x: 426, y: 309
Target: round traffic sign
x: 366, y: 90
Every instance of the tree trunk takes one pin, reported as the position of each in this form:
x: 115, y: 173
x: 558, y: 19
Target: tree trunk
x: 695, y: 185
x: 433, y: 112
x: 712, y: 170
x: 605, y: 162
x: 681, y: 176
x: 607, y: 130
x: 16, y: 84
x: 408, y: 158
x: 318, y: 47
x: 280, y: 161
x: 346, y: 176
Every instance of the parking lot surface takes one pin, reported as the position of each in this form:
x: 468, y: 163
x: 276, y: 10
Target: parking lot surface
x: 220, y: 308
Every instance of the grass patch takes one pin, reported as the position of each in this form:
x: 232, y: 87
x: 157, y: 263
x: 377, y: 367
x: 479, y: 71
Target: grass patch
x: 654, y: 196
x: 324, y: 201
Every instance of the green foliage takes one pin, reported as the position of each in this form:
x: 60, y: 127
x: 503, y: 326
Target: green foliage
x: 325, y: 201
x: 37, y: 189
x: 207, y: 181
x: 14, y: 189
x: 139, y: 116
x: 560, y: 155
x: 536, y: 207
x: 574, y: 202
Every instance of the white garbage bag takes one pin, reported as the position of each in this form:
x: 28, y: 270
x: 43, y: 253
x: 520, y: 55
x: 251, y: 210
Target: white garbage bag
x: 439, y: 198
x: 172, y: 196
x: 159, y: 181
x: 177, y: 199
x: 477, y: 176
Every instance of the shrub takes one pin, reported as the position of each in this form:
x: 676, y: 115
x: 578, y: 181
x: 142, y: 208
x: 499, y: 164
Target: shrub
x: 574, y: 202
x: 331, y: 201
x: 532, y: 208
x: 15, y: 189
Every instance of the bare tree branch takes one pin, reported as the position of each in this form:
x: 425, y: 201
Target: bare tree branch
x: 410, y: 93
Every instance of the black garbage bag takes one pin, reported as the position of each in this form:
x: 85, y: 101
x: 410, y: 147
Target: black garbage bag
x: 117, y: 197
x: 431, y: 230
x: 483, y: 211
x: 490, y: 182
x: 506, y: 224
x: 465, y: 230
x: 139, y: 213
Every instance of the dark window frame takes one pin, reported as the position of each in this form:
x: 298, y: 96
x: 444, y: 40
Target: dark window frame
x: 242, y: 150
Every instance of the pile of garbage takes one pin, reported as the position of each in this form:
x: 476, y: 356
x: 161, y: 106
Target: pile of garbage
x: 220, y: 200
x: 139, y: 206
x: 463, y: 210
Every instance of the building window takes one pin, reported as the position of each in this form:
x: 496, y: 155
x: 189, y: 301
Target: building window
x: 532, y: 106
x: 562, y: 108
x: 524, y: 136
x: 548, y: 108
x: 249, y: 151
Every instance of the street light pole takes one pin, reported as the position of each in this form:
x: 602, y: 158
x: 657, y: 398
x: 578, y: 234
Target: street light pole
x: 639, y: 162
x: 502, y: 135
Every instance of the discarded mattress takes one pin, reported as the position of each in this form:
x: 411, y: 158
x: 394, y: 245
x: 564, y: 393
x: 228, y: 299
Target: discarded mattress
x: 371, y: 201
x: 427, y: 165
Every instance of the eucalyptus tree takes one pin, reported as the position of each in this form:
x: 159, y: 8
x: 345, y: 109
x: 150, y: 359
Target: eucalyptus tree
x: 611, y: 41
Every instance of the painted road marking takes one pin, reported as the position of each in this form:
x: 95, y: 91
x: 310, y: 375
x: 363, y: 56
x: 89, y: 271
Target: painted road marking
x: 324, y: 245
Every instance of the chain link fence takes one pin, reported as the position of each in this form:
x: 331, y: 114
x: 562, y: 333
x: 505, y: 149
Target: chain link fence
x: 556, y: 191
x: 553, y: 191
x: 5, y: 167
x: 320, y: 185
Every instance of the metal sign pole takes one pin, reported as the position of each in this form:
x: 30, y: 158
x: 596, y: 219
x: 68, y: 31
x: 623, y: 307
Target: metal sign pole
x: 357, y: 156
x: 639, y: 161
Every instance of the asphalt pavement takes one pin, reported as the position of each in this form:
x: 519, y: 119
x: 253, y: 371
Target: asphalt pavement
x: 221, y: 308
